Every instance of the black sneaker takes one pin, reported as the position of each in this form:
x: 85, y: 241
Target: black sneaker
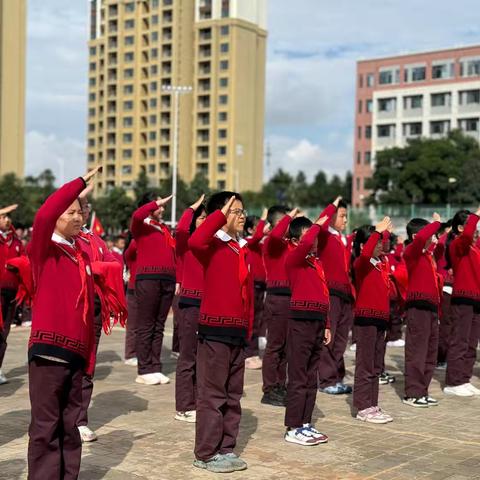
x: 431, y: 401
x: 383, y: 379
x: 420, y: 402
x: 274, y: 399
x: 281, y: 391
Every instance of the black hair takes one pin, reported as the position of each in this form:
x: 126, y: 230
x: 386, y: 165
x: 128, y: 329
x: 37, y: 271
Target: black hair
x: 297, y: 225
x: 218, y: 200
x: 147, y: 197
x: 128, y: 241
x: 362, y: 234
x: 198, y: 212
x: 342, y: 204
x: 413, y: 227
x: 459, y: 219
x: 275, y: 212
x: 250, y: 222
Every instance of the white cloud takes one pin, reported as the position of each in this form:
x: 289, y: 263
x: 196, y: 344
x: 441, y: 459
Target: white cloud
x: 66, y: 157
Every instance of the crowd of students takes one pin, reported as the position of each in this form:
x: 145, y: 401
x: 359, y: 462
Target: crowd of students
x: 282, y: 293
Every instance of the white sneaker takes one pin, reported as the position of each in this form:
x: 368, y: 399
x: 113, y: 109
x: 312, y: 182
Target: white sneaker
x: 175, y: 355
x: 353, y: 347
x: 163, y: 379
x: 190, y: 416
x: 396, y: 343
x: 27, y: 324
x: 373, y: 415
x: 253, y: 363
x: 133, y: 362
x: 3, y: 378
x: 86, y: 434
x: 148, y: 379
x: 459, y: 391
x: 472, y: 388
x: 262, y: 343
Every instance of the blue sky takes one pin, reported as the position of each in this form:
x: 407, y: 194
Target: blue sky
x: 312, y: 49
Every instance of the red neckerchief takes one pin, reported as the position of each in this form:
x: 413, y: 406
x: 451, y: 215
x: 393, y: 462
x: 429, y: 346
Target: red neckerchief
x: 90, y: 239
x: 384, y: 269
x: 338, y: 238
x: 7, y: 239
x: 315, y: 263
x: 163, y: 229
x: 435, y: 275
x: 75, y: 254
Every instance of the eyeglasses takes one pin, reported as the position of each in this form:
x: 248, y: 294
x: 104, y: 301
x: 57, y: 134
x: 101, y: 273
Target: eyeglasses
x: 238, y: 212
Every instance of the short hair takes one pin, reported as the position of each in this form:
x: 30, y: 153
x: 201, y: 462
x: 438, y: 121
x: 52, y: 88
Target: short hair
x: 414, y: 226
x: 218, y: 200
x: 198, y: 212
x: 342, y: 204
x: 275, y: 212
x: 250, y: 222
x: 297, y: 225
x: 147, y: 197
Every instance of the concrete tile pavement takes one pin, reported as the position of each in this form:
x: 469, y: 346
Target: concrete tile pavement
x: 140, y: 440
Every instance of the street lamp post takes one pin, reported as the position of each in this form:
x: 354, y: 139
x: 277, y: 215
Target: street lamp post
x: 176, y: 91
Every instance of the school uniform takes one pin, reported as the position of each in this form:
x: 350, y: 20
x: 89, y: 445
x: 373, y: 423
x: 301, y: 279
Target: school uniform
x: 333, y: 253
x: 11, y: 247
x: 465, y: 301
x: 190, y: 296
x: 371, y: 316
x: 61, y: 345
x: 422, y: 307
x: 255, y: 246
x: 154, y: 285
x: 277, y: 306
x: 397, y: 304
x: 309, y: 317
x: 130, y: 336
x: 224, y: 327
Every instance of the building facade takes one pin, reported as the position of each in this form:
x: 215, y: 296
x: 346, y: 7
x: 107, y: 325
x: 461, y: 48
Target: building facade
x: 411, y: 96
x: 140, y: 48
x: 12, y: 86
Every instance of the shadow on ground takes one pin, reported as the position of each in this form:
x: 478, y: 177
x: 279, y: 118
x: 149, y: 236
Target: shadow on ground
x: 13, y: 425
x: 12, y: 469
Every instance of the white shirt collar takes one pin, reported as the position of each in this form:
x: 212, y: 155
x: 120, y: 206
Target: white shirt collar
x: 117, y: 250
x: 58, y: 239
x: 225, y: 237
x: 86, y: 230
x: 375, y: 261
x: 333, y: 231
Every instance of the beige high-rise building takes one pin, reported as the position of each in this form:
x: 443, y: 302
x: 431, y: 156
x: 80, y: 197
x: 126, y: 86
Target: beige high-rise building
x: 216, y: 47
x: 12, y: 86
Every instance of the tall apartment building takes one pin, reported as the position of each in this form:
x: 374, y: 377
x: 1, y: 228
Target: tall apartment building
x: 12, y: 86
x: 217, y: 47
x: 411, y: 96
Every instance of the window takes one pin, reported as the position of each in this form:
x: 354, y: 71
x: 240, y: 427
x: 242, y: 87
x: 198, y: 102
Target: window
x: 128, y: 73
x: 412, y: 102
x: 154, y: 70
x: 91, y: 142
x: 224, y: 30
x: 359, y: 106
x: 387, y: 104
x: 154, y: 36
x: 127, y: 138
x: 385, y: 131
x: 470, y: 67
x: 93, y: 66
x: 153, y: 103
x: 469, y: 97
x: 129, y: 40
x: 469, y: 124
x: 224, y: 65
x: 91, y: 127
x: 222, y: 133
x: 370, y: 80
x: 357, y: 183
x: 359, y: 158
x: 93, y: 50
x: 440, y: 99
x: 439, y: 127
x: 367, y: 158
x: 91, y: 97
x: 128, y: 57
x: 390, y: 76
x: 222, y: 168
x: 127, y: 153
x: 369, y: 106
x: 152, y: 152
x: 154, y: 52
x: 225, y: 8
x: 126, y: 170
x: 223, y: 99
x: 152, y: 119
x: 360, y: 81
x: 223, y: 82
x: 222, y: 150
x: 129, y: 24
x: 224, y: 47
x: 91, y: 112
x: 443, y: 70
x: 128, y: 89
x: 128, y: 105
x: 152, y: 168
x: 155, y: 20
x: 222, y: 116
x: 92, y: 82
x: 415, y: 73
x: 359, y: 132
x: 221, y: 184
x: 130, y: 7
x: 368, y: 131
x: 412, y: 129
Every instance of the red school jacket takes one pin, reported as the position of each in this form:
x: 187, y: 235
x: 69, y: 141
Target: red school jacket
x: 62, y: 311
x: 255, y: 245
x: 13, y: 248
x: 131, y: 262
x: 227, y: 303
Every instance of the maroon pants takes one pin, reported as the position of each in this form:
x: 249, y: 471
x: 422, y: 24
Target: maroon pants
x: 154, y: 299
x: 331, y: 368
x: 176, y: 317
x: 445, y: 328
x: 54, y: 447
x: 274, y: 369
x: 258, y: 307
x: 421, y: 345
x: 131, y: 327
x: 87, y: 380
x: 185, y: 378
x: 368, y: 365
x: 220, y: 370
x: 394, y: 331
x: 305, y: 342
x: 8, y: 312
x: 462, y: 351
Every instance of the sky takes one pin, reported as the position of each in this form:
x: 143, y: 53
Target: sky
x: 313, y: 46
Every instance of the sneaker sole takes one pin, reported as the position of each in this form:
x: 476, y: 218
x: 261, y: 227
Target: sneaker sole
x: 143, y: 382
x: 415, y: 406
x: 303, y: 444
x: 458, y: 395
x: 377, y: 422
x: 205, y: 466
x: 273, y: 404
x: 186, y: 420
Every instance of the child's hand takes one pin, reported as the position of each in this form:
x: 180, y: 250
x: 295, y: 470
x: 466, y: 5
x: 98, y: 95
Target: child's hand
x: 436, y: 217
x: 293, y: 213
x: 328, y: 336
x: 163, y: 201
x: 267, y: 229
x: 321, y: 221
x: 337, y: 201
x: 9, y: 209
x: 227, y: 207
x: 478, y: 212
x: 198, y: 203
x: 177, y: 288
x: 86, y: 191
x: 264, y: 214
x: 89, y: 176
x: 385, y: 224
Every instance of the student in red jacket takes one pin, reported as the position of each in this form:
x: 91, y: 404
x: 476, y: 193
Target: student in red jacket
x: 308, y: 329
x: 190, y: 296
x: 154, y: 285
x: 464, y: 257
x: 371, y: 316
x: 277, y: 304
x: 334, y: 256
x: 62, y: 343
x: 130, y: 256
x: 422, y: 304
x: 225, y: 325
x: 255, y: 235
x: 12, y: 247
